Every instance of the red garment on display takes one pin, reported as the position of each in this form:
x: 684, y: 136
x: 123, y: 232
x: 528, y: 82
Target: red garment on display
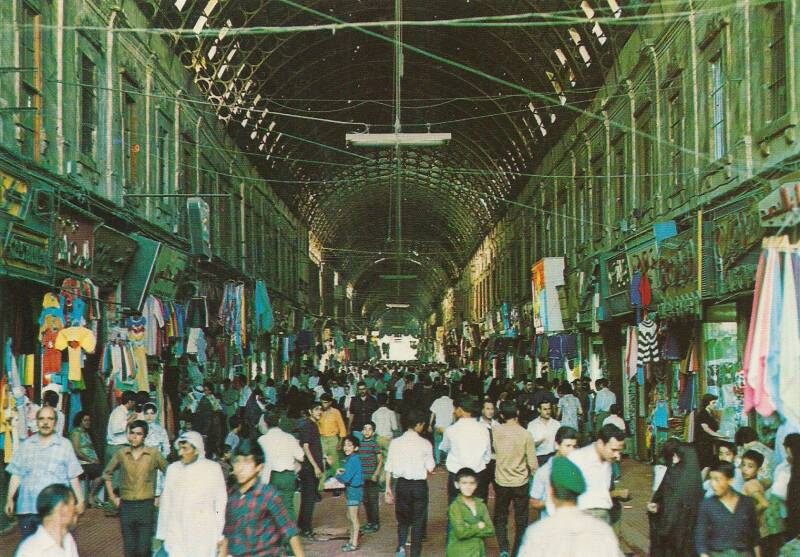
x: 51, y: 357
x: 645, y: 292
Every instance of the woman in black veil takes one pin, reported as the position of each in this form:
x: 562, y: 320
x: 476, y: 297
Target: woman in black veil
x: 674, y: 504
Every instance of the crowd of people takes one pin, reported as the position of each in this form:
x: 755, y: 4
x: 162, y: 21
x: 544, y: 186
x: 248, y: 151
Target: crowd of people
x: 227, y: 484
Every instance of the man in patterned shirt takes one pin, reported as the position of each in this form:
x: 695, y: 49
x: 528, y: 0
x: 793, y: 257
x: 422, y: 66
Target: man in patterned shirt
x: 257, y: 523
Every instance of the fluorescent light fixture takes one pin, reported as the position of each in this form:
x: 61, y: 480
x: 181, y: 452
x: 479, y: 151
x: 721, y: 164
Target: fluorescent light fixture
x: 392, y: 139
x: 398, y: 306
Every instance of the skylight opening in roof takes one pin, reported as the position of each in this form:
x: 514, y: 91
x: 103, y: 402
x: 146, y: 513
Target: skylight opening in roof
x: 201, y: 22
x: 585, y: 55
x: 561, y: 56
x: 212, y: 51
x: 615, y: 9
x: 210, y: 7
x: 557, y: 87
x: 221, y: 71
x: 587, y: 9
x: 599, y: 33
x: 224, y: 31
x: 528, y: 127
x: 179, y: 4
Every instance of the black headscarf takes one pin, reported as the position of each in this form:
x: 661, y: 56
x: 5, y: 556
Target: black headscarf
x: 679, y: 496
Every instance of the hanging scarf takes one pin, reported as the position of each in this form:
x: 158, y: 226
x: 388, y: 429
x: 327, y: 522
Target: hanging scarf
x: 755, y: 395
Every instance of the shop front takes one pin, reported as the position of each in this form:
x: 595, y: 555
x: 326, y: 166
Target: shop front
x: 674, y: 396
x: 736, y: 241
x: 26, y: 274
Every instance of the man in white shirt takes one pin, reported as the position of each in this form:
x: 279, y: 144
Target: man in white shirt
x: 399, y: 387
x: 603, y: 400
x: 441, y: 418
x: 488, y: 421
x: 468, y: 445
x: 566, y: 442
x: 409, y: 461
x: 117, y: 430
x: 245, y: 391
x: 337, y: 391
x: 543, y: 430
x: 568, y: 531
x: 385, y: 424
x: 282, y: 458
x: 595, y: 463
x: 58, y: 512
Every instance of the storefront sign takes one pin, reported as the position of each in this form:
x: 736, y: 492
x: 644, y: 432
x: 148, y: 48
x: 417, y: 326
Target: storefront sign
x: 26, y: 251
x: 113, y: 252
x: 615, y: 281
x: 15, y: 196
x: 781, y: 208
x: 617, y: 274
x: 677, y: 265
x: 74, y: 242
x: 137, y: 277
x: 166, y: 276
x: 677, y: 268
x: 155, y: 269
x: 546, y: 276
x: 735, y: 235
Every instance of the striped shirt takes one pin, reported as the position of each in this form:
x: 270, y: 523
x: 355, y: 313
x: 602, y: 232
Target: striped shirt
x: 368, y: 452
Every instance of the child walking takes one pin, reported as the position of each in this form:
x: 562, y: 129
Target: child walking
x: 469, y: 518
x: 752, y: 461
x: 353, y: 478
x: 727, y: 523
x: 371, y: 467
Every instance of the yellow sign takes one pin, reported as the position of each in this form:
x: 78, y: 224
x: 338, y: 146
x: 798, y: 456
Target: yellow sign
x: 14, y: 195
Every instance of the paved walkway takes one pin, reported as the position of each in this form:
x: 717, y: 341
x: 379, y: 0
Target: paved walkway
x: 99, y: 536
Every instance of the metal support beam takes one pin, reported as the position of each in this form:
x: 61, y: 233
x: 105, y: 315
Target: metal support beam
x: 177, y: 195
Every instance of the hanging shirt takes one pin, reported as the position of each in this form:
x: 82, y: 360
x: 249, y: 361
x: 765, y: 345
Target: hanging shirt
x: 645, y: 292
x: 153, y: 312
x: 647, y: 343
x: 51, y: 356
x: 635, y: 294
x: 632, y: 351
x: 75, y: 339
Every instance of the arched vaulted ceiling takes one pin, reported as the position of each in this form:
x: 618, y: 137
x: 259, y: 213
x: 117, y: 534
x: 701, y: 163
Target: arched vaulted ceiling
x: 290, y: 97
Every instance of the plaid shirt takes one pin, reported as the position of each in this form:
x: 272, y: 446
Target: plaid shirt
x: 257, y: 523
x: 368, y: 452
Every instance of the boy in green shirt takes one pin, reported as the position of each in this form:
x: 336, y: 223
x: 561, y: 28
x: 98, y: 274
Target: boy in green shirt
x: 469, y: 517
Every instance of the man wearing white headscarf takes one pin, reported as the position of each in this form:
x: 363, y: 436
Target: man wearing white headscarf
x: 191, y: 516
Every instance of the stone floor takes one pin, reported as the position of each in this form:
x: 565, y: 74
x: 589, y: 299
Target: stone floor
x: 99, y: 536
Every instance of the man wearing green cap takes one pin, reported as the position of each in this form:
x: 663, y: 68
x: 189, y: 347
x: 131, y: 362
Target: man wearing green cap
x: 568, y: 531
